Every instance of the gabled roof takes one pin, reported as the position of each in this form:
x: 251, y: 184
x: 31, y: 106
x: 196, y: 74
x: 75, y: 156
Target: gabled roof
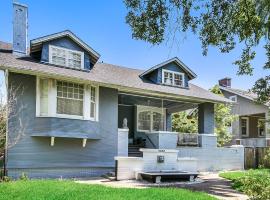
x: 121, y: 78
x: 36, y: 43
x: 189, y: 72
x: 245, y: 94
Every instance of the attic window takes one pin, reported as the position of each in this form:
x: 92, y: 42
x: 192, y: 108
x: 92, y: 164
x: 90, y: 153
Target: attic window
x: 172, y: 78
x: 66, y: 57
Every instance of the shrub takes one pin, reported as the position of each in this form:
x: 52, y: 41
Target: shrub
x: 256, y: 187
x: 6, y: 179
x: 23, y: 177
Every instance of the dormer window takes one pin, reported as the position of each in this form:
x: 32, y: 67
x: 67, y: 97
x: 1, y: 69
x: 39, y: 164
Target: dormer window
x: 66, y: 57
x: 172, y: 78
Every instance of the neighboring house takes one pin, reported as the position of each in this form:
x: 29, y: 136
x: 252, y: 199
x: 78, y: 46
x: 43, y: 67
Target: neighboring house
x: 250, y: 128
x: 70, y: 109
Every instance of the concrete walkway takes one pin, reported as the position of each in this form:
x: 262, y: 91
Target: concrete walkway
x: 210, y: 183
x: 216, y: 186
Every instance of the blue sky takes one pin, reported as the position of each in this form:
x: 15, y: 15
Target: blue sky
x: 101, y: 24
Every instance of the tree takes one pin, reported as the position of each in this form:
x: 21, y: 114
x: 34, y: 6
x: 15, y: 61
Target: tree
x: 182, y: 122
x: 220, y: 23
x: 223, y: 119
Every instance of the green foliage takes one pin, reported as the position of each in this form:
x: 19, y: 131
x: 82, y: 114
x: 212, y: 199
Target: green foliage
x: 223, y: 120
x: 65, y: 190
x: 220, y: 23
x: 183, y: 123
x: 23, y: 177
x: 255, y: 183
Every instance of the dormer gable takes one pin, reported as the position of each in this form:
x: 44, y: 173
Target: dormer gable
x: 64, y: 49
x: 172, y: 72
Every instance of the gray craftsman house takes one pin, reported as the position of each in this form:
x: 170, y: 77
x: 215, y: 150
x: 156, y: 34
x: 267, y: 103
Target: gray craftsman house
x: 250, y: 128
x: 70, y: 112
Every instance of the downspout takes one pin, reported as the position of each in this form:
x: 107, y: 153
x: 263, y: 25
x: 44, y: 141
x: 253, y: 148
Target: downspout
x: 7, y: 115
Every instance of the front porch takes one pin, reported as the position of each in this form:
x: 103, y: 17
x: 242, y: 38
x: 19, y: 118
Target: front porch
x: 147, y: 121
x: 251, y: 131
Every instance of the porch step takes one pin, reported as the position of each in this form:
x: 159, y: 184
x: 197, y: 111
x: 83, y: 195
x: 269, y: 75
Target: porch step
x: 134, y: 150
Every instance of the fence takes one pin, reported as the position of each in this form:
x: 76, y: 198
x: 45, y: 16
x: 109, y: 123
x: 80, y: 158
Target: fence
x: 254, y: 157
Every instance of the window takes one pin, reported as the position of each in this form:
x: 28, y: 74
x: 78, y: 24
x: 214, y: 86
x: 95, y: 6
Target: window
x: 172, y: 78
x: 44, y: 92
x: 69, y: 98
x: 93, y: 103
x: 66, y: 100
x: 150, y: 118
x: 233, y: 98
x: 261, y: 127
x: 244, y: 126
x: 66, y: 57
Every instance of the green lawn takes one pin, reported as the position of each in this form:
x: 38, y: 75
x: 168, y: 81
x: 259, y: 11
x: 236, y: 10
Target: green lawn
x: 53, y: 189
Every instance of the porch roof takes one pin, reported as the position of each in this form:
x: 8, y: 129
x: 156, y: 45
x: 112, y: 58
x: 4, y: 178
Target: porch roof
x: 108, y: 75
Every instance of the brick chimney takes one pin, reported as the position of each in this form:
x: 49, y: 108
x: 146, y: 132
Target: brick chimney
x: 20, y: 26
x: 225, y: 82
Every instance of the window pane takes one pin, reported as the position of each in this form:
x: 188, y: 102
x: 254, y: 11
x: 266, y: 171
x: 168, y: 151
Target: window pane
x: 68, y: 101
x: 74, y: 60
x: 43, y: 83
x: 157, y: 121
x: 144, y: 120
x: 69, y: 106
x: 93, y: 102
x: 168, y: 78
x: 178, y: 80
x: 244, y: 126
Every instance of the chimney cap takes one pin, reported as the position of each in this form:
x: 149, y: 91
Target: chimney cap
x: 20, y: 4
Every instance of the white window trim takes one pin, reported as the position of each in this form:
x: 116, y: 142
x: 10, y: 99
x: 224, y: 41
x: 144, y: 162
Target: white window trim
x: 234, y: 96
x: 173, y: 72
x: 66, y: 50
x: 151, y: 109
x: 247, y: 120
x: 52, y: 101
x: 259, y: 128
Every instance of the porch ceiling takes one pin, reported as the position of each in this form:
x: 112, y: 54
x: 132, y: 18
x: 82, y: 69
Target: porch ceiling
x: 171, y: 105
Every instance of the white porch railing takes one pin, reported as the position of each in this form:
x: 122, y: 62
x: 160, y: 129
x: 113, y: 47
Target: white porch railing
x: 188, y: 139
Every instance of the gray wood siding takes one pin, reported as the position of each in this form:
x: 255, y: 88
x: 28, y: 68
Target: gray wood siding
x: 65, y: 43
x: 36, y: 152
x: 246, y: 107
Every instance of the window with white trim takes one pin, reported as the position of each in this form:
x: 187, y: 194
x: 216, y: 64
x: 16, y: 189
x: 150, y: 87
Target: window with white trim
x: 66, y: 99
x: 172, y: 78
x: 150, y: 118
x: 66, y: 57
x: 69, y: 98
x: 261, y: 127
x: 244, y: 122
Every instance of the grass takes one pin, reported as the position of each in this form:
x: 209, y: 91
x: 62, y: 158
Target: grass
x: 236, y: 176
x: 65, y: 190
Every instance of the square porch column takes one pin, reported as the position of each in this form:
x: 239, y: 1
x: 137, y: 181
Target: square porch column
x: 267, y: 128
x: 206, y: 125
